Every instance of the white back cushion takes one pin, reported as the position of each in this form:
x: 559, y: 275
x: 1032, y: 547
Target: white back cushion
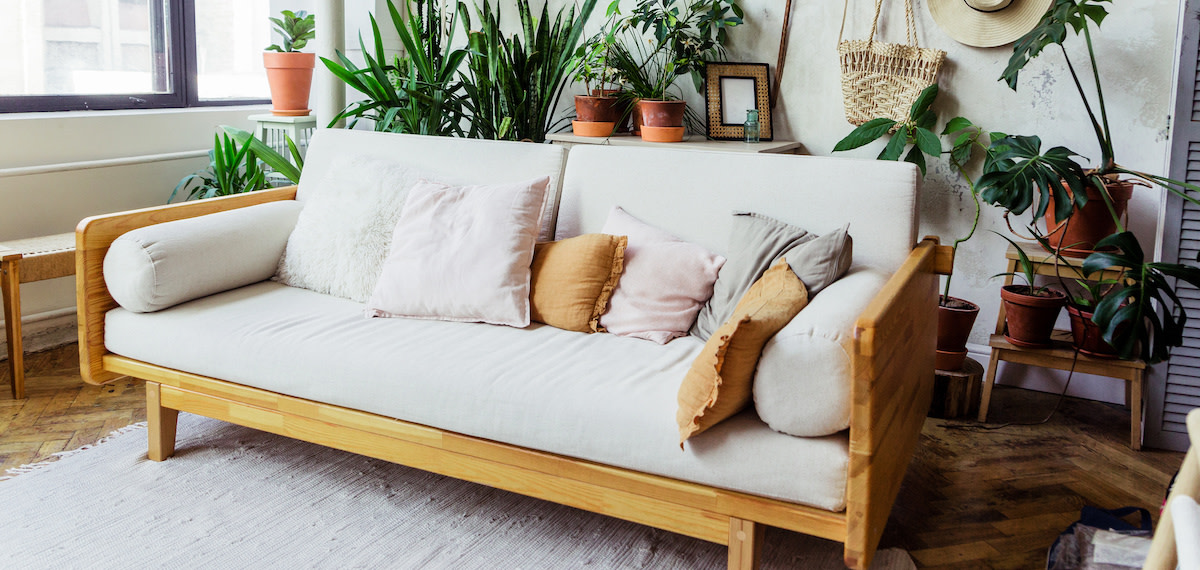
x: 693, y: 194
x: 453, y: 161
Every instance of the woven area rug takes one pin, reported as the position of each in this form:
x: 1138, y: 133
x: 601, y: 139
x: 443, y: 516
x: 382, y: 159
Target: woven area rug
x: 233, y: 497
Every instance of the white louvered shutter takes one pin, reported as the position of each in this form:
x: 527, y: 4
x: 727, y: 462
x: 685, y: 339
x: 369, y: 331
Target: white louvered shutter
x: 1174, y: 386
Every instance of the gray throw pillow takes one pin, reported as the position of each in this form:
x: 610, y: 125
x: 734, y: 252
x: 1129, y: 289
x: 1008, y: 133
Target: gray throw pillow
x: 755, y: 243
x: 822, y: 261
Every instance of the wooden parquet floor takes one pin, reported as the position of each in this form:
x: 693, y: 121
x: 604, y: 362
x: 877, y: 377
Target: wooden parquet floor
x: 971, y: 499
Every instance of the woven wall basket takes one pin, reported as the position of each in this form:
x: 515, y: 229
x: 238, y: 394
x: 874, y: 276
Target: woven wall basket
x: 882, y: 79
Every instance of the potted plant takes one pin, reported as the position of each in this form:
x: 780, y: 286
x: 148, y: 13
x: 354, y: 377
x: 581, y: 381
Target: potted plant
x: 289, y: 72
x: 1054, y: 183
x: 1140, y: 316
x: 598, y: 112
x: 1029, y: 310
x: 237, y: 164
x: 683, y: 34
x: 956, y: 317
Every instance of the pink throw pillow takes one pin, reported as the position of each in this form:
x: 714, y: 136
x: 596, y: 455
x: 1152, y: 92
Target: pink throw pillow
x: 665, y: 283
x: 462, y: 253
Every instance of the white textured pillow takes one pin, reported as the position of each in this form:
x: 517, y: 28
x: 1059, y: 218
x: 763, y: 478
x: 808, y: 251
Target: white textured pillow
x: 158, y: 266
x: 802, y: 384
x: 342, y: 236
x: 462, y: 253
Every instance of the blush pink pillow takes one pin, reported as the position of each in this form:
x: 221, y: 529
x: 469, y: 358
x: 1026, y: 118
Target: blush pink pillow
x: 462, y: 253
x: 665, y: 283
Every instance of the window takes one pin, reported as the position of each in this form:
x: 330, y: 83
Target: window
x: 132, y: 54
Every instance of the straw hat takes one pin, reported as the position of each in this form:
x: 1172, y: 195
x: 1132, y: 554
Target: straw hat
x: 987, y: 23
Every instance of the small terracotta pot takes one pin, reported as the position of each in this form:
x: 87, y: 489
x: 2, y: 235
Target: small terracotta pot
x: 1030, y: 318
x: 290, y: 76
x: 956, y: 317
x: 1079, y: 233
x: 593, y: 129
x: 590, y: 109
x: 605, y: 92
x: 663, y: 113
x: 1087, y: 336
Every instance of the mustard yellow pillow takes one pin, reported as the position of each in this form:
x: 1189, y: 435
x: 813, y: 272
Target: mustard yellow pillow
x: 573, y: 278
x: 720, y: 382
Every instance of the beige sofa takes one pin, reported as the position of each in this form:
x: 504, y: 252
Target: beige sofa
x: 583, y: 420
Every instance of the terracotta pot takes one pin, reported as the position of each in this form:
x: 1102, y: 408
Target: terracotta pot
x: 663, y: 113
x: 1030, y: 318
x: 956, y: 317
x: 593, y: 129
x: 1087, y: 336
x: 1079, y: 233
x: 590, y: 109
x: 290, y: 78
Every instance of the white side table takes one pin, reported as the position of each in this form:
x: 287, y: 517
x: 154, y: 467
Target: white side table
x: 271, y: 129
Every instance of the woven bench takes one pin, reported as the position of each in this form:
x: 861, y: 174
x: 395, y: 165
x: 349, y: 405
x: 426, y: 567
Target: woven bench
x: 25, y: 261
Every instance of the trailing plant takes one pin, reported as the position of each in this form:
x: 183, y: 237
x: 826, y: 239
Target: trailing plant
x: 418, y: 92
x: 917, y: 135
x: 515, y: 82
x: 236, y: 165
x: 296, y: 28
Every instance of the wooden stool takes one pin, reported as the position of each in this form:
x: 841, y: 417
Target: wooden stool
x: 956, y: 392
x: 25, y: 261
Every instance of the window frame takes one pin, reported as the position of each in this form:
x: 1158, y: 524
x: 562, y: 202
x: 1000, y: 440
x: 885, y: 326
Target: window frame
x: 182, y: 77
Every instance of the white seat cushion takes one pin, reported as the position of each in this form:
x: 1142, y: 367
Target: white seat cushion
x: 597, y: 397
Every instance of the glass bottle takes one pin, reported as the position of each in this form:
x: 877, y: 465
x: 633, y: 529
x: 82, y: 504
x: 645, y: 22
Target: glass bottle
x: 751, y: 126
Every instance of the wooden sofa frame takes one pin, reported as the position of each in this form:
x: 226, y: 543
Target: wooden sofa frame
x: 893, y: 349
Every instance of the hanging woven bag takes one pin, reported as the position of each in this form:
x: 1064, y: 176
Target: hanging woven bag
x: 881, y: 79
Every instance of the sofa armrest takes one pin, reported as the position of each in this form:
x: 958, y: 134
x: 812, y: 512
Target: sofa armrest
x: 893, y: 350
x: 92, y: 238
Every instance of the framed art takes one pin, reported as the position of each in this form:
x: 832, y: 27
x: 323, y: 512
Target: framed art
x: 730, y: 90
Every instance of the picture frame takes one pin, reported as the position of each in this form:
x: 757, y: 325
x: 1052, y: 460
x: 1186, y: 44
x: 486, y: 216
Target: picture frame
x: 730, y: 90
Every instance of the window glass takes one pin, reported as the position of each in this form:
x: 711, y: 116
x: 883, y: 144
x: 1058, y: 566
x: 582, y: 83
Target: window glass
x: 231, y: 36
x: 85, y: 47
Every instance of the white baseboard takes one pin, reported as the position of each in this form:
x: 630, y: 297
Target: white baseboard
x: 42, y: 331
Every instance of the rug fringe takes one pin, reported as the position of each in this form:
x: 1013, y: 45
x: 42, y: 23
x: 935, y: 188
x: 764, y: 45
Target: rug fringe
x: 31, y: 467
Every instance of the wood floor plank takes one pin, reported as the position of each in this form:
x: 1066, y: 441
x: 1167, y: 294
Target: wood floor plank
x: 971, y: 498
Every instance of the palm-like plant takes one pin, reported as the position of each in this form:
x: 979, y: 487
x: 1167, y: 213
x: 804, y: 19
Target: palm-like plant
x: 419, y: 92
x: 236, y: 165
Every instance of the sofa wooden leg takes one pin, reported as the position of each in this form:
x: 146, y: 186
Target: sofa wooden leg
x: 745, y: 544
x: 161, y: 422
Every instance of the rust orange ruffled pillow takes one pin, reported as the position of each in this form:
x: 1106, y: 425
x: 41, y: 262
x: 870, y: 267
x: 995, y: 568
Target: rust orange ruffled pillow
x: 720, y: 382
x: 573, y: 279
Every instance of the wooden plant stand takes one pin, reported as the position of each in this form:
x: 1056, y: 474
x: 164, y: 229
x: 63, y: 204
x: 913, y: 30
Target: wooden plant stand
x: 1061, y: 355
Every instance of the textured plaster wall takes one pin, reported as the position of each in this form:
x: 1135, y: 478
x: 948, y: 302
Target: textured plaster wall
x: 1136, y: 48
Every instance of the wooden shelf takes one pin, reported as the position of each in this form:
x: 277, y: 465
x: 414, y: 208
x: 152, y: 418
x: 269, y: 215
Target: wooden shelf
x: 694, y: 142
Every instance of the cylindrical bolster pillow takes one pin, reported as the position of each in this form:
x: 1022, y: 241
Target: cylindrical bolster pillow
x: 158, y: 266
x: 802, y: 385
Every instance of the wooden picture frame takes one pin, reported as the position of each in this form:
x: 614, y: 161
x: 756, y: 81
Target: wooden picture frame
x: 730, y: 90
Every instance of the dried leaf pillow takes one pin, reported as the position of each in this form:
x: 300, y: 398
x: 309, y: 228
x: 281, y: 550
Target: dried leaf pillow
x: 720, y: 382
x: 572, y: 280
